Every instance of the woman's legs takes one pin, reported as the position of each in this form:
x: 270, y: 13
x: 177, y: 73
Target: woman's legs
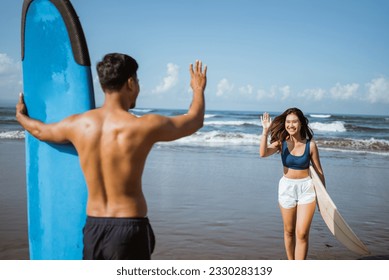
x: 297, y: 222
x: 305, y: 214
x: 289, y: 219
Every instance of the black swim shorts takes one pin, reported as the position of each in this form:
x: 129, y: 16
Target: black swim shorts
x: 118, y: 239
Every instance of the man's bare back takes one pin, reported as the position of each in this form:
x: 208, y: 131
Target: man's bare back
x: 113, y: 144
x: 113, y: 147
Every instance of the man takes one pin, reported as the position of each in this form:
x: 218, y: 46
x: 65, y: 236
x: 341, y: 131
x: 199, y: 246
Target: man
x: 113, y: 145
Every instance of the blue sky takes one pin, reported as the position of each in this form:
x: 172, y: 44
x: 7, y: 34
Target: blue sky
x: 321, y: 56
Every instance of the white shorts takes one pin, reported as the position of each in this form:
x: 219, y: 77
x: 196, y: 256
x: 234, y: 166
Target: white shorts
x: 293, y: 192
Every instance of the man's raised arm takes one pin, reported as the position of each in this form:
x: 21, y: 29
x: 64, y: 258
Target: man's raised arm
x: 169, y: 129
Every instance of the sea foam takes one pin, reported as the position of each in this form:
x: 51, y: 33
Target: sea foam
x: 336, y: 126
x: 12, y: 134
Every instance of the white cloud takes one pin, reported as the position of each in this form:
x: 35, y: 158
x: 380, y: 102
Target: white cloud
x: 316, y: 94
x: 6, y: 64
x: 170, y: 80
x: 261, y: 93
x: 275, y: 92
x: 223, y: 87
x: 8, y: 67
x: 10, y: 77
x: 285, y: 91
x: 378, y: 90
x: 246, y: 90
x: 272, y: 93
x: 344, y: 92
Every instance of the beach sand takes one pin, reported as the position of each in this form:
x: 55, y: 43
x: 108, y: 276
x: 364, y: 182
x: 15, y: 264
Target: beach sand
x: 220, y: 204
x: 13, y: 208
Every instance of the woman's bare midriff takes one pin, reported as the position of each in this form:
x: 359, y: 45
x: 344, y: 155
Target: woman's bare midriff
x: 295, y: 174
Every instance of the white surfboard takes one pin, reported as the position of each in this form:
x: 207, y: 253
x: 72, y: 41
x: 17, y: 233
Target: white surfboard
x: 334, y: 221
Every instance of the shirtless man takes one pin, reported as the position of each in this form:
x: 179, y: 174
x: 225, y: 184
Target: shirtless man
x: 113, y: 145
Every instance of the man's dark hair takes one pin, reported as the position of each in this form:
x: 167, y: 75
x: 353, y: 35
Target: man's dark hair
x: 115, y: 69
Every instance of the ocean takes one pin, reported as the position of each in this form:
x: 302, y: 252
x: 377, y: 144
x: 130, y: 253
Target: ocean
x: 240, y: 131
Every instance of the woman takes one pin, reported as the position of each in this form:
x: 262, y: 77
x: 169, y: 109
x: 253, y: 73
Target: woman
x: 292, y: 138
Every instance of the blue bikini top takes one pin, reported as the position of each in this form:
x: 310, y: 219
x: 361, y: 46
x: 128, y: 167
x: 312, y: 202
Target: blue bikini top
x: 295, y: 162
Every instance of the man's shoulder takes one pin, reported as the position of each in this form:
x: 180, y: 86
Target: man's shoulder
x: 152, y: 122
x: 152, y: 118
x: 77, y: 117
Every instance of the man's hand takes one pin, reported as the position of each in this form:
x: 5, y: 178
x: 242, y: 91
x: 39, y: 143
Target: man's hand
x: 198, y: 76
x: 53, y: 132
x: 173, y: 128
x: 20, y: 106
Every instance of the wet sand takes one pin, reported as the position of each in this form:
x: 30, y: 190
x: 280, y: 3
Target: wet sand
x: 13, y: 211
x: 215, y: 204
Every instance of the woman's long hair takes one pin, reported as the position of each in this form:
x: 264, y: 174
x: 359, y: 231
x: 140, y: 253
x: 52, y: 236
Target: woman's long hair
x: 277, y: 129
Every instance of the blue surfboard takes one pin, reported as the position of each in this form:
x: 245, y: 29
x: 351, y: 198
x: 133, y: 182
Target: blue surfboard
x: 57, y: 83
